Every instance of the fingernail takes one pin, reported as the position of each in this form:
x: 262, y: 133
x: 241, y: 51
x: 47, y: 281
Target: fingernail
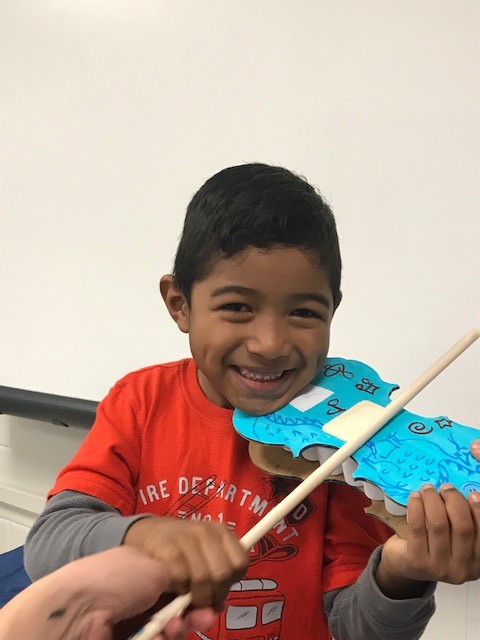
x: 446, y: 486
x: 475, y: 498
x: 428, y: 485
x: 415, y: 494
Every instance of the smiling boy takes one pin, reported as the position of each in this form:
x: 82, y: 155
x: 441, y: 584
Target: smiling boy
x: 255, y: 285
x: 256, y: 340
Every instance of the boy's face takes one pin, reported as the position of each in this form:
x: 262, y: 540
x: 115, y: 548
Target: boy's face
x: 259, y: 326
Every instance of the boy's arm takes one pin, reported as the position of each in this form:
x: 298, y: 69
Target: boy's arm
x: 363, y: 611
x: 71, y: 526
x: 443, y: 544
x: 204, y: 558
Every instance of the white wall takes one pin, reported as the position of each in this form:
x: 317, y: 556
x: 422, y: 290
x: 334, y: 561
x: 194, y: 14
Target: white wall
x: 31, y: 454
x: 114, y: 113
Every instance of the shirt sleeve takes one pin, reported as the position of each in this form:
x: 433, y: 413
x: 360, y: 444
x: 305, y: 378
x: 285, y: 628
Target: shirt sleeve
x: 350, y: 536
x: 363, y: 611
x: 71, y: 526
x: 106, y: 466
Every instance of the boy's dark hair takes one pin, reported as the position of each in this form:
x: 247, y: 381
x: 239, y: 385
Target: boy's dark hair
x: 255, y: 205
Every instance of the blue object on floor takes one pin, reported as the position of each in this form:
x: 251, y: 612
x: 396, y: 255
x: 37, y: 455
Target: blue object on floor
x: 13, y: 577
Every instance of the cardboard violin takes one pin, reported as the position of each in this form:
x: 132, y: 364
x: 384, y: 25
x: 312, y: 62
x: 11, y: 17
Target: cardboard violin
x: 409, y: 451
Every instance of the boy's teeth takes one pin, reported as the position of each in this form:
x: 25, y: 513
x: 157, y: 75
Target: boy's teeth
x: 260, y: 377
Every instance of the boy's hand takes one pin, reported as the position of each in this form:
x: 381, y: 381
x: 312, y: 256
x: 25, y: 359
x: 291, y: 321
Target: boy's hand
x: 443, y: 543
x: 205, y: 558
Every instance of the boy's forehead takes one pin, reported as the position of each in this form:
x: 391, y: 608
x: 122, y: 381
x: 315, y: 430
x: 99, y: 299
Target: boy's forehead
x: 277, y: 267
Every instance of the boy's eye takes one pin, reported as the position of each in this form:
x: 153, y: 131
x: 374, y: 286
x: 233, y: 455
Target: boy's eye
x: 236, y: 307
x: 306, y: 313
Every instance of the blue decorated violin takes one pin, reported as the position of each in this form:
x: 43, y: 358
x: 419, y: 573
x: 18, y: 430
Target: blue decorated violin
x: 342, y: 400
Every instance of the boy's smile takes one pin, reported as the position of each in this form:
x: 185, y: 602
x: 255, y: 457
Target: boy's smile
x: 259, y: 326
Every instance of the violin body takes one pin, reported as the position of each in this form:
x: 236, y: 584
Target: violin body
x: 407, y: 452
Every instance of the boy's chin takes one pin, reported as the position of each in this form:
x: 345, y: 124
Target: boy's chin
x: 261, y: 408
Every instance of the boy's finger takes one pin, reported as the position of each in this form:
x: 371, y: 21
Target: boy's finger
x: 474, y: 501
x: 223, y: 572
x: 237, y: 555
x: 475, y: 449
x: 202, y: 582
x: 177, y: 564
x: 438, y: 526
x: 417, y: 531
x: 462, y: 526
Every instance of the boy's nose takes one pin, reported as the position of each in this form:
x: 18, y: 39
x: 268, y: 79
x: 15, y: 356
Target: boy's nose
x: 269, y: 340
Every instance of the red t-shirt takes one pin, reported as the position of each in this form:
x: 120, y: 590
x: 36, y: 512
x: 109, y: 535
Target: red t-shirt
x: 160, y: 446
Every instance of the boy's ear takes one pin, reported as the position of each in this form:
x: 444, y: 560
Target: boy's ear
x: 340, y: 296
x: 175, y: 302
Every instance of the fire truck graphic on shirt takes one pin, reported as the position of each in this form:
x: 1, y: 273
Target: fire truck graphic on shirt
x: 254, y: 607
x: 253, y: 611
